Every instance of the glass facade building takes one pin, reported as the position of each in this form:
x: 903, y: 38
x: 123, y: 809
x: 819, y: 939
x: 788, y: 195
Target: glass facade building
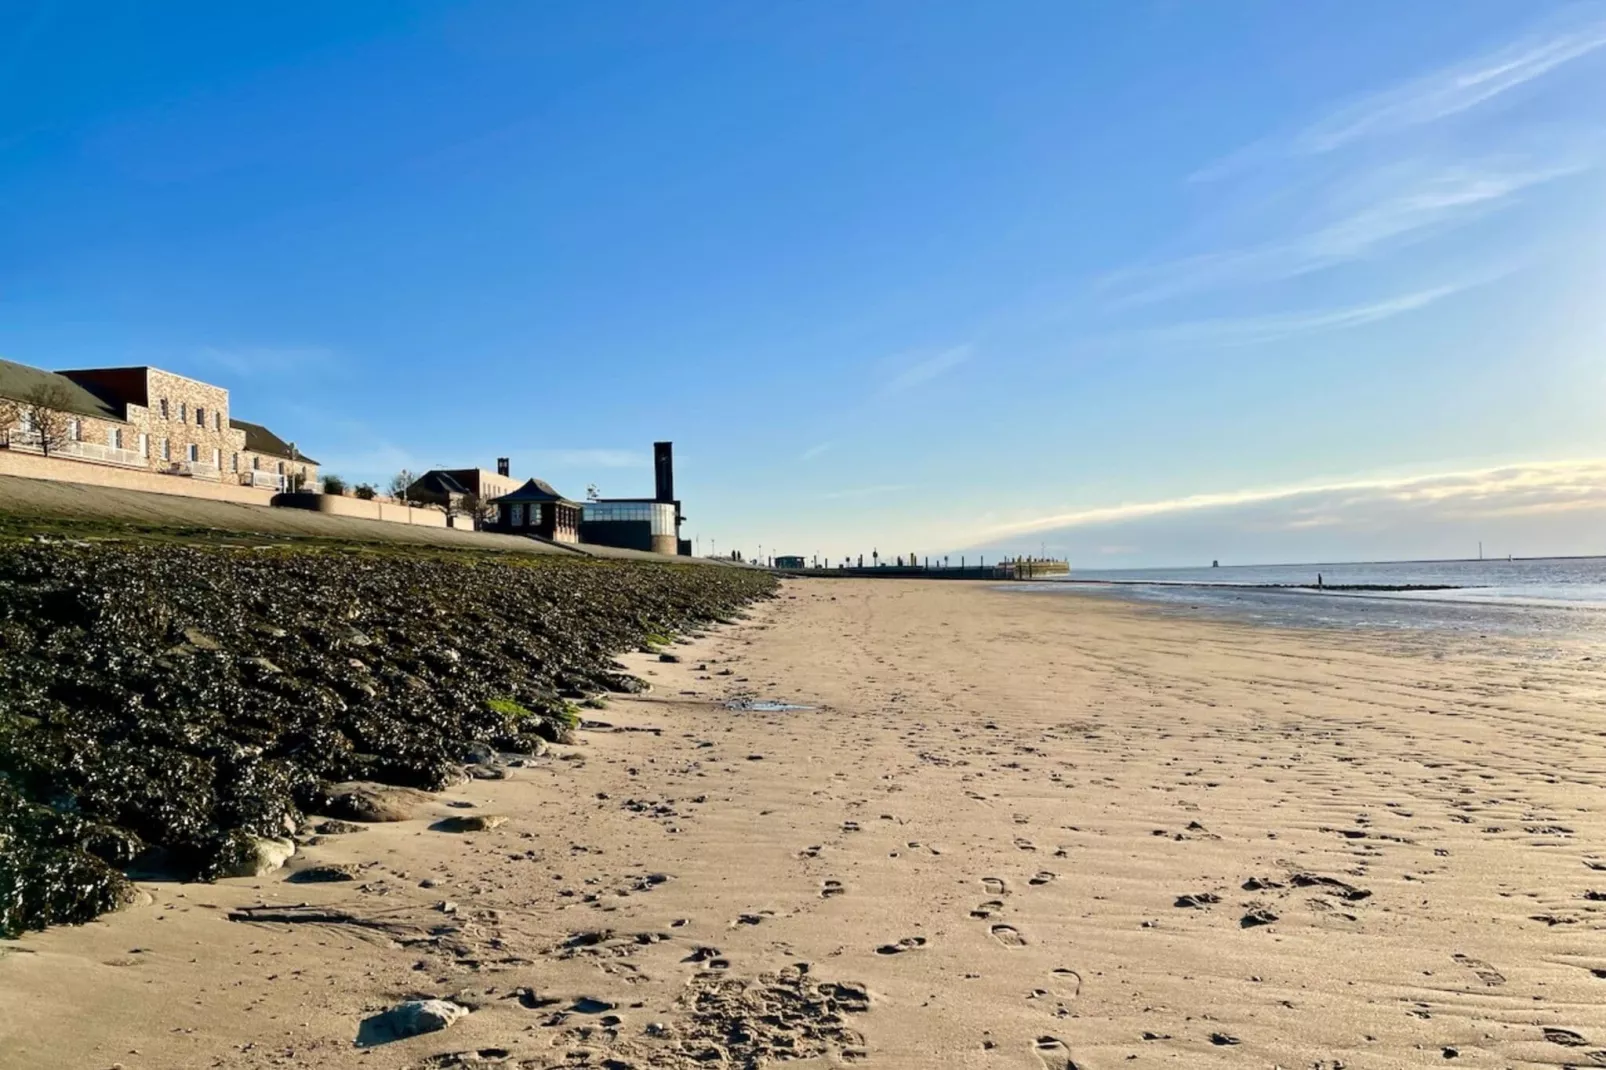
x: 659, y: 515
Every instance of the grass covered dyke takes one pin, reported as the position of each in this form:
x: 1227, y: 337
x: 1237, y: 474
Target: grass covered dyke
x: 163, y: 703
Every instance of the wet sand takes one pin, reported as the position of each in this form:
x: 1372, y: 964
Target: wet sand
x: 1015, y: 831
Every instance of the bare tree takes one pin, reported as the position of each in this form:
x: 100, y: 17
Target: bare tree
x: 473, y: 505
x: 43, y: 411
x: 399, y: 484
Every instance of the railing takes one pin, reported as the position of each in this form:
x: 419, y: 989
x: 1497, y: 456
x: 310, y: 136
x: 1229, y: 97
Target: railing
x: 266, y: 480
x: 33, y: 442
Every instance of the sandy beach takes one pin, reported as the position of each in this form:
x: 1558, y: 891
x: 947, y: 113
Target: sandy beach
x: 1012, y: 831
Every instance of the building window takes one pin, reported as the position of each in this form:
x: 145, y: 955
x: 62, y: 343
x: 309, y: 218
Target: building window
x: 165, y: 414
x: 75, y: 429
x: 144, y: 445
x: 200, y: 416
x: 281, y: 468
x: 217, y: 457
x: 518, y: 516
x: 256, y: 464
x: 167, y: 449
x: 114, y: 437
x: 183, y: 412
x: 194, y: 453
x: 217, y: 420
x: 234, y: 466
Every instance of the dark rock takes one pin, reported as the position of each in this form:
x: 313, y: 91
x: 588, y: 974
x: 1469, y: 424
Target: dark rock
x: 469, y: 823
x: 327, y: 874
x: 334, y: 827
x: 374, y: 803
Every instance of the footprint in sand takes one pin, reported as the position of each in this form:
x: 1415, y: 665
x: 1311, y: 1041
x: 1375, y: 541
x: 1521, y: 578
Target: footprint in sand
x: 812, y: 851
x: 1024, y: 845
x: 850, y: 826
x: 987, y: 909
x: 1042, y: 878
x: 908, y: 943
x: 1485, y: 972
x: 1067, y: 984
x: 995, y: 885
x: 1008, y: 935
x: 828, y: 889
x: 1054, y: 1053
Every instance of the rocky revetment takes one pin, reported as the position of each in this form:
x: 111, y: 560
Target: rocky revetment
x: 182, y: 709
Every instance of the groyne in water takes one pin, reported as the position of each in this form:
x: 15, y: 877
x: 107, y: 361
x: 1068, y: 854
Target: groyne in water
x: 183, y: 709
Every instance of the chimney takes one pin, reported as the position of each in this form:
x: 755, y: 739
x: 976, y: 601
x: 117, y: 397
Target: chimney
x: 502, y: 466
x: 663, y: 464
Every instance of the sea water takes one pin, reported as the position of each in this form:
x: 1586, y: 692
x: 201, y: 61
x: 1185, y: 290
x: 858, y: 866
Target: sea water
x: 1558, y: 597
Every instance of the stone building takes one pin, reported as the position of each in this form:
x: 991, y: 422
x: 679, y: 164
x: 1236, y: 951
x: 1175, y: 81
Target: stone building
x: 152, y: 419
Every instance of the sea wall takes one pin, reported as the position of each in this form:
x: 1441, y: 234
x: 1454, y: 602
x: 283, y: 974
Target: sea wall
x: 174, y: 706
x: 366, y: 509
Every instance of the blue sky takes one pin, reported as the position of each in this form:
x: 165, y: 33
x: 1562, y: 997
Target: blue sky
x: 1138, y: 282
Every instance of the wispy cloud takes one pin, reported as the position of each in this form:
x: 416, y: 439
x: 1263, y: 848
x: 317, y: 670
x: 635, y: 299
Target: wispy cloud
x: 249, y: 361
x: 865, y: 492
x: 1525, y: 490
x: 1453, y: 89
x: 927, y: 369
x: 1426, y: 99
x: 589, y: 458
x: 815, y: 451
x: 1276, y: 327
x: 1401, y: 207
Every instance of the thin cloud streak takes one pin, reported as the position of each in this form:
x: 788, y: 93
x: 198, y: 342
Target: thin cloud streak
x: 926, y: 370
x: 1424, y: 100
x: 865, y: 492
x: 1450, y: 91
x: 814, y: 451
x: 1513, y: 490
x: 1256, y: 330
x: 589, y: 458
x: 1446, y: 199
x: 248, y: 361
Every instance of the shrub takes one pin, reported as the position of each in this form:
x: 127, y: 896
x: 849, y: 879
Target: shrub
x: 334, y: 485
x: 365, y: 491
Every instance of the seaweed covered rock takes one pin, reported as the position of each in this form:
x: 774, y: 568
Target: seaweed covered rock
x: 193, y: 703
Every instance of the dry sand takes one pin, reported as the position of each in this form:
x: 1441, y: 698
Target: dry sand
x: 974, y: 852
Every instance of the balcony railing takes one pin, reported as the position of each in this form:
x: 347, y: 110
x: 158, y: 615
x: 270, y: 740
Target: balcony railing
x: 33, y: 442
x: 266, y: 480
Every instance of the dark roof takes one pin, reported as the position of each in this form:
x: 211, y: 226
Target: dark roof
x: 534, y: 490
x: 437, y: 481
x: 18, y: 381
x: 259, y: 439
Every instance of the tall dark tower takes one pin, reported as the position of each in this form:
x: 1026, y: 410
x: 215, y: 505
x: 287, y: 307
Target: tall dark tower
x: 663, y: 463
x: 502, y: 466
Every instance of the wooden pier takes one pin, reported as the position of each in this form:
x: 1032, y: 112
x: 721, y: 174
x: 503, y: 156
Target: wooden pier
x: 1015, y: 569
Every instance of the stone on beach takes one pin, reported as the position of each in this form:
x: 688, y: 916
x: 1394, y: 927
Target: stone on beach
x: 469, y: 823
x: 410, y: 1019
x: 374, y: 802
x: 260, y: 855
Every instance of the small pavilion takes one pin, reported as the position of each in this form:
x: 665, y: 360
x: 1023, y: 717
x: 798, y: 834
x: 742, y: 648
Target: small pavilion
x: 535, y: 509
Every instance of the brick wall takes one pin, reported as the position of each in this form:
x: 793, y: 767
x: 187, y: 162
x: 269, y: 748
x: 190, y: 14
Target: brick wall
x: 191, y: 419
